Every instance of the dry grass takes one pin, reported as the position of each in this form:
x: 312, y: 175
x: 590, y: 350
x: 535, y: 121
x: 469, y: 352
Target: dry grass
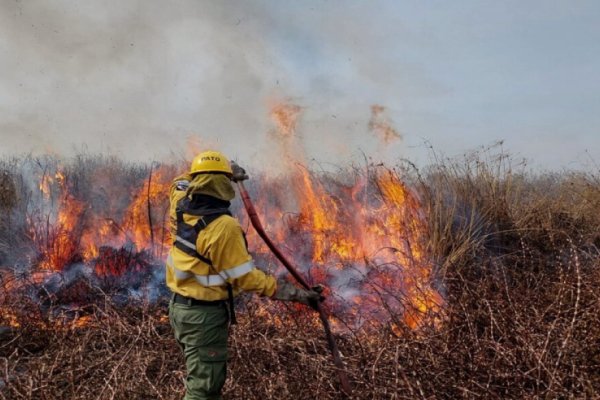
x: 517, y: 258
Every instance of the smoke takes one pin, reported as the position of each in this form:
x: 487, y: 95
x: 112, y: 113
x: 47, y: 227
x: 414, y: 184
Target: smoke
x: 142, y: 79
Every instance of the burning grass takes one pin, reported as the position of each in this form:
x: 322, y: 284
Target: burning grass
x: 514, y: 256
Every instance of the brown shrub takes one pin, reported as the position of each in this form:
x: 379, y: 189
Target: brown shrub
x: 517, y: 260
x: 8, y: 192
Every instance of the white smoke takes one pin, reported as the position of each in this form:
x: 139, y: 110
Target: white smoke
x: 143, y: 78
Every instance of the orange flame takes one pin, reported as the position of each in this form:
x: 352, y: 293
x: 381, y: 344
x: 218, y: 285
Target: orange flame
x: 285, y: 117
x: 76, y: 235
x: 367, y: 233
x: 45, y: 185
x: 374, y: 227
x: 147, y: 230
x: 82, y: 322
x: 57, y: 243
x: 381, y: 127
x: 9, y: 319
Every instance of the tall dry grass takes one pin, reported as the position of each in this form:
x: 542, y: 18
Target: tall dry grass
x: 516, y: 256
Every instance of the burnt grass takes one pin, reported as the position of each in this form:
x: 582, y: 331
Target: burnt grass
x: 516, y: 257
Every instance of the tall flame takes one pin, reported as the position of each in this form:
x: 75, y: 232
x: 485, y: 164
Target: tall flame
x: 361, y: 235
x: 148, y: 229
x: 366, y: 237
x: 58, y: 243
x: 79, y: 233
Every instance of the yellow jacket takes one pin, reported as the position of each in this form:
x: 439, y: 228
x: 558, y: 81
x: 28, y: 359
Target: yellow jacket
x: 223, y: 243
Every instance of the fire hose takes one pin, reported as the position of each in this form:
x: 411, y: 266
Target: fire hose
x: 255, y: 220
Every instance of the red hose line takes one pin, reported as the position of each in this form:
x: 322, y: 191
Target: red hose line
x: 335, y: 353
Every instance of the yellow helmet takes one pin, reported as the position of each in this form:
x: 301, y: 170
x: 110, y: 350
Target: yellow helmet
x: 210, y: 161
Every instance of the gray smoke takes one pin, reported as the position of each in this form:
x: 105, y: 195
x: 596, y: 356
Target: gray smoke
x: 143, y: 79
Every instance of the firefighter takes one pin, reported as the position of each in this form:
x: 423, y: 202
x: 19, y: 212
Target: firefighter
x: 207, y: 266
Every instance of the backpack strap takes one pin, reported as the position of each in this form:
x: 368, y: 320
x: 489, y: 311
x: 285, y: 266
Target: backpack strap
x: 185, y: 241
x: 187, y: 235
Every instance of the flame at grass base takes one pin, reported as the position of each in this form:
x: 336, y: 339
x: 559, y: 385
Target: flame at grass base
x: 363, y: 240
x: 360, y: 232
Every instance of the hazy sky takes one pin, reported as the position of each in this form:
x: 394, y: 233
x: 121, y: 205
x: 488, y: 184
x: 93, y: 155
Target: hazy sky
x: 143, y: 78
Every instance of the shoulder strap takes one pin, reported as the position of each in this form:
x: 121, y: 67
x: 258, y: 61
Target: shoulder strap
x: 188, y: 234
x: 206, y: 220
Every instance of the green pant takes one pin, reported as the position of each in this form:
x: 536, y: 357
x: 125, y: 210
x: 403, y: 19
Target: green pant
x: 201, y: 332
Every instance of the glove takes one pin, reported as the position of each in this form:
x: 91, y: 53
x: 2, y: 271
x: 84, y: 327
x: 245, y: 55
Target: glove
x: 239, y: 173
x: 288, y: 292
